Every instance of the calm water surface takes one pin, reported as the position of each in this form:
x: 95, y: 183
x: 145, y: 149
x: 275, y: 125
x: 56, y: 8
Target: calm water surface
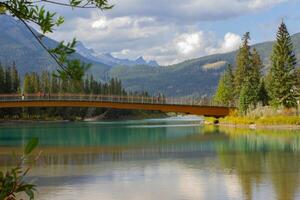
x: 158, y: 159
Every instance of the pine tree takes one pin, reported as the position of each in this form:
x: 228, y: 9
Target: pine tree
x: 244, y: 98
x: 256, y: 74
x: 27, y: 86
x: 263, y: 93
x: 247, y: 76
x: 64, y: 86
x: 282, y: 76
x: 15, y: 79
x: 252, y: 81
x: 243, y: 64
x: 45, y: 82
x: 8, y: 81
x: 87, y: 86
x: 298, y: 83
x: 249, y: 95
x: 54, y: 85
x: 112, y: 86
x: 35, y: 80
x: 225, y: 91
x: 2, y: 80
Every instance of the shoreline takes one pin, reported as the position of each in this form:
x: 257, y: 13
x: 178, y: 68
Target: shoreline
x: 23, y: 121
x: 255, y: 126
x: 123, y: 118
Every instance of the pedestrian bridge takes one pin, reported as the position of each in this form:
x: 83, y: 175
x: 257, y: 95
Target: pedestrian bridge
x: 177, y: 105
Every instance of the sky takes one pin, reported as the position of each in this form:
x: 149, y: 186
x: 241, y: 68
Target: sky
x: 171, y: 31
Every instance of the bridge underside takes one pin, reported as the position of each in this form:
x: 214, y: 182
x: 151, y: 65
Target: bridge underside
x: 196, y: 110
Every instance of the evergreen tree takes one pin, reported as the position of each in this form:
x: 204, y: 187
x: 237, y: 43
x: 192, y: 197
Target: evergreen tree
x: 282, y: 76
x: 298, y: 83
x: 243, y: 64
x: 8, y: 81
x: 263, y: 93
x: 45, y: 83
x: 15, y: 79
x: 247, y: 76
x: 2, y: 80
x: 27, y: 86
x: 112, y: 87
x: 54, y: 85
x: 225, y: 91
x: 249, y: 95
x: 255, y: 74
x: 64, y: 86
x: 252, y: 82
x: 35, y: 80
x: 87, y: 86
x: 245, y: 98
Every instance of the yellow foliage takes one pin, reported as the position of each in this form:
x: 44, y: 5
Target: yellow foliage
x: 2, y: 10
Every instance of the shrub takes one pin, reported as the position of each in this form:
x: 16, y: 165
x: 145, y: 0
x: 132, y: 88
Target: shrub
x: 12, y: 181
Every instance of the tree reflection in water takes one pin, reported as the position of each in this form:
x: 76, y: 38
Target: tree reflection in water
x: 257, y: 155
x: 78, y: 151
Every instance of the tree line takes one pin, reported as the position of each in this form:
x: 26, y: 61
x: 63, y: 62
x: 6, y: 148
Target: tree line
x: 46, y: 84
x: 247, y: 86
x: 9, y: 79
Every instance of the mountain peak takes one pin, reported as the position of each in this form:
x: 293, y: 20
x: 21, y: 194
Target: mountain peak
x: 109, y: 55
x: 153, y: 63
x: 81, y: 48
x: 140, y: 59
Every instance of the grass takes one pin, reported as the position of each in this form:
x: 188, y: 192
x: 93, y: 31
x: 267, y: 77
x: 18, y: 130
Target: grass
x: 274, y: 120
x: 262, y: 116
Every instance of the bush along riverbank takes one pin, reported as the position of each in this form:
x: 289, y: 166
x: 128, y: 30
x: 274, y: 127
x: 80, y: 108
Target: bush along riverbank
x: 261, y: 117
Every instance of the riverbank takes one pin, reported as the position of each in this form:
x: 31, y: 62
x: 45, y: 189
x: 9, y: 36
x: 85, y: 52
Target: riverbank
x: 22, y: 121
x: 137, y: 116
x: 114, y: 115
x: 267, y: 122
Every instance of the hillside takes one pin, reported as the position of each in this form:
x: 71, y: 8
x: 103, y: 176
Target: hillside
x: 193, y: 77
x: 18, y: 45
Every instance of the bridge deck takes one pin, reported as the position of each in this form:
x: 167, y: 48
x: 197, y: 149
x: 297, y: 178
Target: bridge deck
x: 188, y: 106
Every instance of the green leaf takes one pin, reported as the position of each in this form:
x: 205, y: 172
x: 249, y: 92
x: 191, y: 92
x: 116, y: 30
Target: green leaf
x: 32, y: 144
x: 30, y: 193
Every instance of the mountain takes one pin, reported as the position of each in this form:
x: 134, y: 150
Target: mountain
x: 110, y: 60
x: 18, y: 45
x: 196, y: 77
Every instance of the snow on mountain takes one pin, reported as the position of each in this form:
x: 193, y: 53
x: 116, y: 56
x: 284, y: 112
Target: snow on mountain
x: 110, y: 60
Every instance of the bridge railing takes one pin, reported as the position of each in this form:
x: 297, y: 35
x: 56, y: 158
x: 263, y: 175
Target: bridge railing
x: 110, y: 98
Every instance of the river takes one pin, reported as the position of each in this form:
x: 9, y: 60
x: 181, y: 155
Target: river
x: 168, y: 159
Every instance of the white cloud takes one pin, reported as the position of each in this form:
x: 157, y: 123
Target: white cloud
x: 189, y: 42
x: 122, y: 53
x: 230, y: 42
x: 131, y: 37
x: 196, y: 44
x: 259, y: 4
x: 100, y: 24
x: 190, y: 9
x: 151, y: 29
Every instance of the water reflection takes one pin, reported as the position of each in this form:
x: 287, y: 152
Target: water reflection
x: 160, y: 159
x: 97, y: 134
x: 259, y: 155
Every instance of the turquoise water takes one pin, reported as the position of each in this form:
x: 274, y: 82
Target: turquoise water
x: 175, y: 158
